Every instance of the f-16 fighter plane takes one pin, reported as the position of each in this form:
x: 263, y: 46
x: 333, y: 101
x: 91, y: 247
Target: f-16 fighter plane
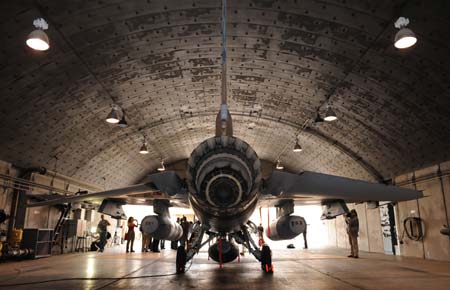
x: 224, y: 186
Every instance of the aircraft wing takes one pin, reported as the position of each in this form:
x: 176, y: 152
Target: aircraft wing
x: 164, y: 185
x: 311, y: 187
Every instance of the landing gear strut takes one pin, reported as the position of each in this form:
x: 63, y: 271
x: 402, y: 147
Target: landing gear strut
x: 264, y: 255
x: 266, y: 259
x: 181, y: 260
x: 194, y: 247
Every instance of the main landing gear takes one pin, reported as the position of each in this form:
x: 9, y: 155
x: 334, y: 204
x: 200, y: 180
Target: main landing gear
x: 266, y: 259
x: 264, y: 255
x: 224, y: 248
x: 181, y: 260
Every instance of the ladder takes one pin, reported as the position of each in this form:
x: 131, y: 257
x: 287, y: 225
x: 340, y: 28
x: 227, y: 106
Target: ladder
x: 57, y: 237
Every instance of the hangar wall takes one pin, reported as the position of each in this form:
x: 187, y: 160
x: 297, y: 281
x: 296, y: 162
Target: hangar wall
x: 433, y: 209
x: 47, y: 216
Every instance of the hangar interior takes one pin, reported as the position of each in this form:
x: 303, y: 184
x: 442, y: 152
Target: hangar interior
x: 158, y: 67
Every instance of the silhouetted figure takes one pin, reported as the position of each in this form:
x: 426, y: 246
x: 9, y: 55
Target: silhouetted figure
x: 155, y: 246
x: 351, y: 219
x: 185, y: 226
x: 304, y: 236
x: 102, y: 229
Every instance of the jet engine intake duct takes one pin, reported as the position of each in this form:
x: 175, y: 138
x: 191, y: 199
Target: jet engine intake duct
x: 161, y: 228
x: 222, y: 172
x: 229, y: 251
x: 286, y: 228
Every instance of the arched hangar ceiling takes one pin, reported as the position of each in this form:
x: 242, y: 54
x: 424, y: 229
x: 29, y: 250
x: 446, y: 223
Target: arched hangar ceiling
x: 160, y: 61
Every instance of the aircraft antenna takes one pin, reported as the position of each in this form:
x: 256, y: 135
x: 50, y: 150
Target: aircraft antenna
x: 224, y: 52
x: 224, y: 126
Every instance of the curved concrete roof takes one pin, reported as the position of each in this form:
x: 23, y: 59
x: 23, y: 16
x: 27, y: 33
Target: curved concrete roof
x: 160, y: 61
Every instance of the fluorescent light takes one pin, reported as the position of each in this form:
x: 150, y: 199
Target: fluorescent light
x: 297, y: 147
x: 38, y: 39
x: 405, y: 37
x: 113, y: 117
x: 330, y: 115
x: 279, y: 166
x: 143, y: 149
x: 162, y: 168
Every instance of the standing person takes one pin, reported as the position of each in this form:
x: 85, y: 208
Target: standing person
x: 155, y: 245
x: 185, y: 227
x: 130, y: 234
x: 174, y: 244
x: 102, y: 229
x: 146, y: 240
x: 351, y: 219
x: 304, y: 235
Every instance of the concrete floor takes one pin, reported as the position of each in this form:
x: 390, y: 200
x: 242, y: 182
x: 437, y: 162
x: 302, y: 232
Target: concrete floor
x: 294, y: 269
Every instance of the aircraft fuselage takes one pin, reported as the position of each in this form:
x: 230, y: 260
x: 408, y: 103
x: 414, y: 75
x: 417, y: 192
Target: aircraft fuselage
x: 223, y: 177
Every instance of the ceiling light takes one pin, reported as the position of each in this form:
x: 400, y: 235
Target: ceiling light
x: 297, y: 147
x: 405, y: 37
x: 144, y: 149
x: 38, y: 39
x: 330, y: 115
x: 113, y: 116
x: 123, y: 123
x: 161, y: 167
x: 279, y: 166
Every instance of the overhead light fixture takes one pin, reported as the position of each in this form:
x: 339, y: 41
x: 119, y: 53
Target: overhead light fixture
x: 318, y: 119
x: 405, y: 37
x: 123, y: 123
x: 161, y: 167
x: 279, y: 166
x: 330, y: 116
x: 297, y: 147
x: 144, y: 149
x: 38, y: 39
x: 113, y: 116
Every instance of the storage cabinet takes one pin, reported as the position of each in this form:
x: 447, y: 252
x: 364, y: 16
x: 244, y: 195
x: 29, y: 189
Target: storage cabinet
x: 38, y: 240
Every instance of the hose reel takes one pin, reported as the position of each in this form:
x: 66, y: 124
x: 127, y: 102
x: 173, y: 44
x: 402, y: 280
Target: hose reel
x: 414, y: 228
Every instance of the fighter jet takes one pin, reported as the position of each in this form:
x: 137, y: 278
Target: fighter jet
x: 224, y: 186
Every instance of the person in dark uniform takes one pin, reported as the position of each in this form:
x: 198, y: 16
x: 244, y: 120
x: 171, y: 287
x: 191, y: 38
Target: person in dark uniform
x: 304, y: 235
x: 174, y: 244
x: 351, y: 219
x: 155, y: 245
x: 102, y: 229
x: 185, y: 226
